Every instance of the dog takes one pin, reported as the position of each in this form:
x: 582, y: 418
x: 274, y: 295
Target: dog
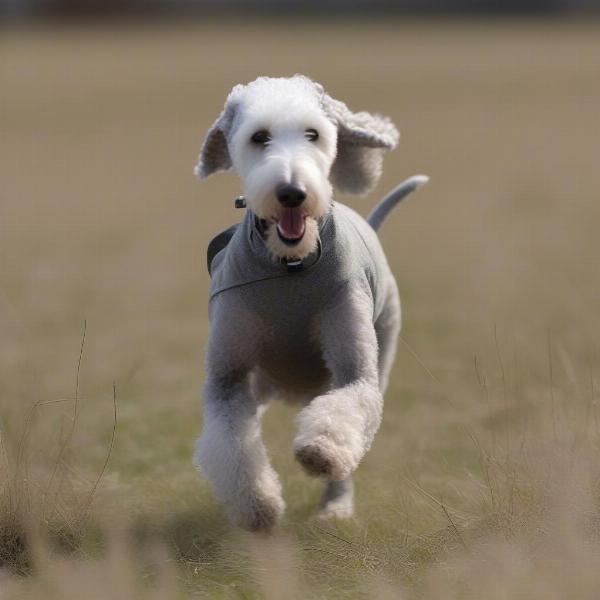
x: 303, y: 305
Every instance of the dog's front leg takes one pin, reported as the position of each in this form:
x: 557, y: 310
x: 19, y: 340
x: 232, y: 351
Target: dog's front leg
x: 337, y: 428
x: 230, y: 450
x: 232, y: 455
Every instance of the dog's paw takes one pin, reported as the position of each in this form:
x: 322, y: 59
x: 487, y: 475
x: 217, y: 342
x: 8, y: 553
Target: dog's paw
x: 322, y: 458
x: 261, y: 513
x: 336, y: 511
x: 314, y: 460
x: 337, y: 506
x: 332, y: 435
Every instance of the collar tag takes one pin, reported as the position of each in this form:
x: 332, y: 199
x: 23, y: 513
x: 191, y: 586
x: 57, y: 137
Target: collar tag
x: 294, y: 264
x: 240, y: 202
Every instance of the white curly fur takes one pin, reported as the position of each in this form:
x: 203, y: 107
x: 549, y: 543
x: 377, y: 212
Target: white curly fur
x: 341, y: 416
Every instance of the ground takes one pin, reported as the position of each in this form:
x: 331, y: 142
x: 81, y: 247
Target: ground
x: 482, y: 476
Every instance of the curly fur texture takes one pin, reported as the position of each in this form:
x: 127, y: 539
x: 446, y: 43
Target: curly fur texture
x: 331, y: 351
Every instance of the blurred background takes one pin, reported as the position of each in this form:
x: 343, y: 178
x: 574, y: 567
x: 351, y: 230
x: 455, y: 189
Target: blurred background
x: 103, y: 229
x: 28, y: 8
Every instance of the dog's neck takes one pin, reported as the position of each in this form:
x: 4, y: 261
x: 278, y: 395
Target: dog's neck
x: 292, y: 264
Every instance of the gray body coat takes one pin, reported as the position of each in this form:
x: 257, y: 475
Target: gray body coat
x: 288, y: 303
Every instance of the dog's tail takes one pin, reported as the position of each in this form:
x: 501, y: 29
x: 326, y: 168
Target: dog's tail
x: 381, y: 211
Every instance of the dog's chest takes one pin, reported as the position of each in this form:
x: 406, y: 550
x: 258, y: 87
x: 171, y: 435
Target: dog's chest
x: 289, y: 348
x: 289, y: 311
x: 281, y: 310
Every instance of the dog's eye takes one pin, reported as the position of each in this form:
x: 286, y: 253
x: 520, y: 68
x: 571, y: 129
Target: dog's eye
x: 312, y: 135
x: 261, y: 137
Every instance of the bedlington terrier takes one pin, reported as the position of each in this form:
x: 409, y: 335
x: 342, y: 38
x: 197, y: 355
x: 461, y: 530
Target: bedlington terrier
x: 303, y: 305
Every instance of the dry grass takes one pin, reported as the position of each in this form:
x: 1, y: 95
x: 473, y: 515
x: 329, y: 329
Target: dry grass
x: 483, y: 481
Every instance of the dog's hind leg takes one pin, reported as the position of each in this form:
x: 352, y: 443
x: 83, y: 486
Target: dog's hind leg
x: 338, y: 500
x: 387, y: 329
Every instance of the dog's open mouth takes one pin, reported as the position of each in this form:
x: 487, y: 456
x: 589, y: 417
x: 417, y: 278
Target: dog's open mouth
x: 291, y: 226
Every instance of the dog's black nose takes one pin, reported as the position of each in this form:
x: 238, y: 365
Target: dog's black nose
x: 290, y: 195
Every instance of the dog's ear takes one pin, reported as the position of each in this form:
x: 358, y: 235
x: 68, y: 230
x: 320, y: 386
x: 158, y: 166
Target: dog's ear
x: 362, y: 140
x: 214, y: 155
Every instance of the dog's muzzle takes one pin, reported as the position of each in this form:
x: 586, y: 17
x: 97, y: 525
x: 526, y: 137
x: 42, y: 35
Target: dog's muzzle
x: 291, y: 223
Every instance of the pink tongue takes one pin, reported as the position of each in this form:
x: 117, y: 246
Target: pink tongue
x: 291, y: 223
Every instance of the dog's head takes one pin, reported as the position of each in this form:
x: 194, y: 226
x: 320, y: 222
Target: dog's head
x: 290, y: 143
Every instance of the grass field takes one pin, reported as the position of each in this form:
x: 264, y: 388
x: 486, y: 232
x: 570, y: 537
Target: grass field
x: 483, y: 481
